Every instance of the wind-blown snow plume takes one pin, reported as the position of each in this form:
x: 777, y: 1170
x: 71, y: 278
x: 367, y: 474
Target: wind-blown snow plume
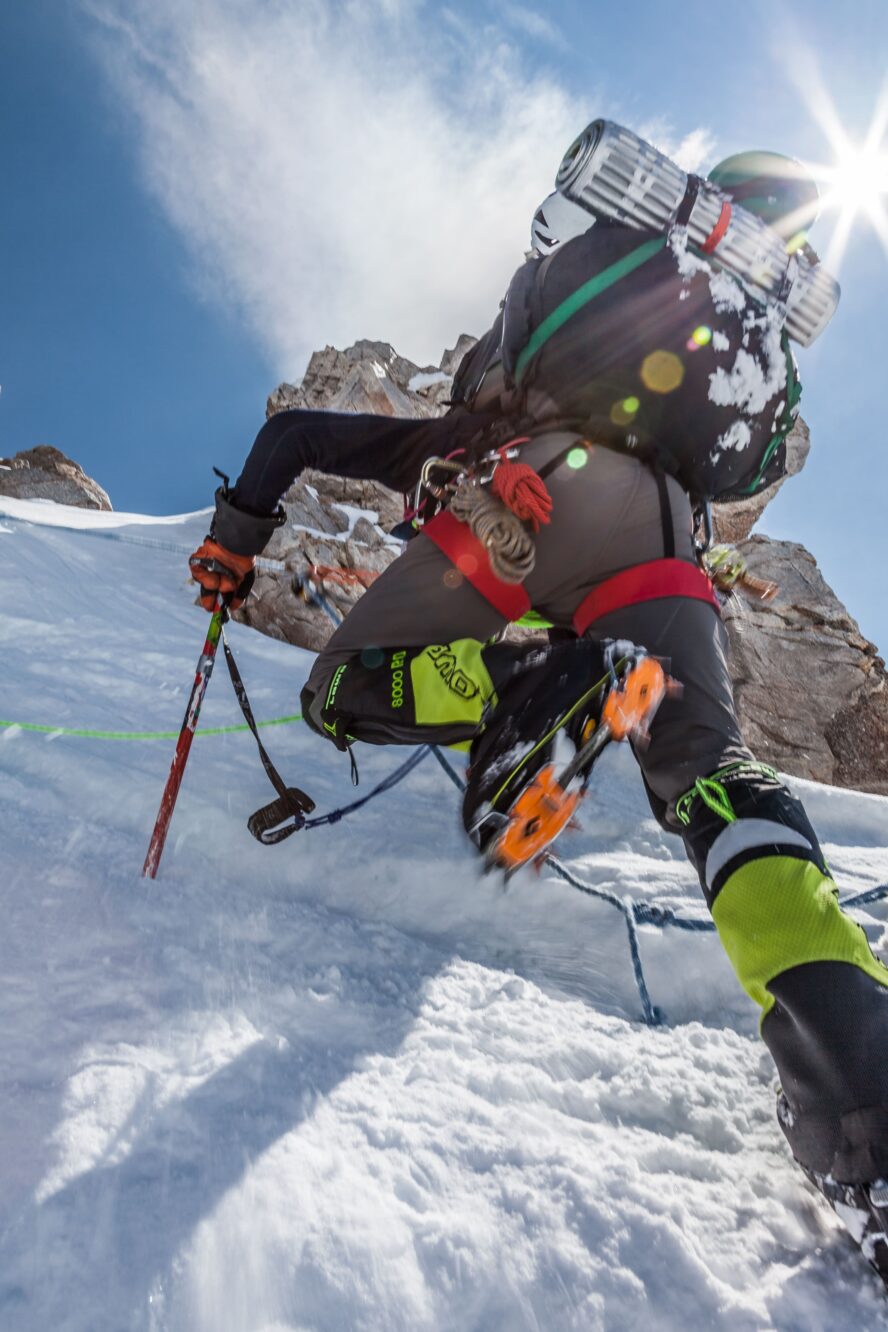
x: 340, y: 170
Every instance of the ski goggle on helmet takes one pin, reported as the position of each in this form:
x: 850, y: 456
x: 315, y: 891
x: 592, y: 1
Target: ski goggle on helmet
x: 779, y: 190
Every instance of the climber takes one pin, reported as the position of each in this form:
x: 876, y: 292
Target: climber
x: 628, y: 378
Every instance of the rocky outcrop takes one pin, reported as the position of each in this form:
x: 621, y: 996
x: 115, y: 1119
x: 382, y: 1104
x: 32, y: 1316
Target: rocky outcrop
x: 331, y: 523
x: 45, y: 473
x: 734, y: 522
x: 372, y: 377
x: 336, y: 523
x: 812, y: 692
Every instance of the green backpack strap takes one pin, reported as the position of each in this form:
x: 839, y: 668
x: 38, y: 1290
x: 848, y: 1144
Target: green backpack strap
x: 787, y: 416
x: 581, y: 297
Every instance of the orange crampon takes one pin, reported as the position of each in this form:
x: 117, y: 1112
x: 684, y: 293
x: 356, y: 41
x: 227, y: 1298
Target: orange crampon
x: 631, y: 706
x: 545, y: 806
x: 536, y: 818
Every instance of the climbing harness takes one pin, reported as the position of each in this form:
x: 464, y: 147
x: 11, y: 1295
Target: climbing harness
x: 502, y: 501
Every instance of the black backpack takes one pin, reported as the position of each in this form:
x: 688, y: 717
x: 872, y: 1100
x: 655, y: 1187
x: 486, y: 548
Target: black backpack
x: 645, y: 346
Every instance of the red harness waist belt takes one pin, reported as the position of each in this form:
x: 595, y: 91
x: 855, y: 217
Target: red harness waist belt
x: 644, y: 582
x: 468, y: 555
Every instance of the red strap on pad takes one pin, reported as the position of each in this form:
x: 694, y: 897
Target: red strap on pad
x: 717, y: 234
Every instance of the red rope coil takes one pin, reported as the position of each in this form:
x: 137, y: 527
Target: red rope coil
x: 522, y: 490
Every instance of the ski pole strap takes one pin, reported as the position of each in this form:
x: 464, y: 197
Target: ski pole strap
x: 471, y: 559
x: 644, y: 582
x: 268, y: 825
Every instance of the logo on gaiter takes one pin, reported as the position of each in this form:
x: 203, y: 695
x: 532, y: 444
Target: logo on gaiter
x: 455, y: 678
x: 398, y: 659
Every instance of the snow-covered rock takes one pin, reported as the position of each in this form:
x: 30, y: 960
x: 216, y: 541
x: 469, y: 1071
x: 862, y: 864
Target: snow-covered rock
x: 367, y: 377
x: 45, y: 473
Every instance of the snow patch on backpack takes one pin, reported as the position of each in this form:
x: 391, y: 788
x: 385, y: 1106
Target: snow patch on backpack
x: 752, y: 381
x: 738, y: 437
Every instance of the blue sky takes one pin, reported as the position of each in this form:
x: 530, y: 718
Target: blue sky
x: 198, y: 194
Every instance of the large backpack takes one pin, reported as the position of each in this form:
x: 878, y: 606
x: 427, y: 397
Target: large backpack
x: 646, y: 346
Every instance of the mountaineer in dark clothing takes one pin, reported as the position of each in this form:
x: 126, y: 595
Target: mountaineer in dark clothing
x: 635, y: 372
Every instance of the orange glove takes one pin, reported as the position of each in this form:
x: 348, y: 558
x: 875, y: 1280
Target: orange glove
x: 219, y: 571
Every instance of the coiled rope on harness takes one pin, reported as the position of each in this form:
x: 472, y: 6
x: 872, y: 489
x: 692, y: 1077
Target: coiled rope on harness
x: 507, y: 541
x: 502, y: 501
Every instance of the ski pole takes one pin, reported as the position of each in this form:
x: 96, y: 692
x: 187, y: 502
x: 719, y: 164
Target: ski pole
x: 186, y: 735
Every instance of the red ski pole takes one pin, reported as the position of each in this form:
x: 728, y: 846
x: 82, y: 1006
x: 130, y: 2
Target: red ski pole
x: 186, y: 735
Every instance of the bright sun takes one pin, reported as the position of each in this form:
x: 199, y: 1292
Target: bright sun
x: 854, y: 184
x: 859, y: 180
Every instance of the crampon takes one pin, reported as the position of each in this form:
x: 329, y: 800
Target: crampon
x: 863, y: 1210
x: 548, y: 803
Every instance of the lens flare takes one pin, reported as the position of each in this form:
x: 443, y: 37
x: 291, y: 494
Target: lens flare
x: 625, y: 411
x: 662, y: 372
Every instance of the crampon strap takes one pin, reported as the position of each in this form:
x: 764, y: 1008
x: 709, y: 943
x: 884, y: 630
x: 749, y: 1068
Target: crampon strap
x: 268, y: 825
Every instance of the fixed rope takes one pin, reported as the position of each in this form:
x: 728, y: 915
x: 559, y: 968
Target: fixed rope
x: 634, y: 912
x: 642, y: 912
x: 83, y: 733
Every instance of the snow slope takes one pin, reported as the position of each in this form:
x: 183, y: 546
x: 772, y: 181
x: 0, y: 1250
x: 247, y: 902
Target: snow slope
x: 345, y: 1083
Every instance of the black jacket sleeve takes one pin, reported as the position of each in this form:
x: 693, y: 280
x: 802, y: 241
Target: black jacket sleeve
x: 385, y: 449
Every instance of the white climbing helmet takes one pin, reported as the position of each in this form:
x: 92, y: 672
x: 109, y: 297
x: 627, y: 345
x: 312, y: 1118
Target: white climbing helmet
x: 556, y: 220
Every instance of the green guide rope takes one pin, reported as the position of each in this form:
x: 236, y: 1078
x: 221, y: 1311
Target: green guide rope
x: 147, y: 735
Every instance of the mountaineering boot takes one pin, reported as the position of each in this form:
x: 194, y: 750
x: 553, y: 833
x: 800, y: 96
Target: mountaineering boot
x: 517, y: 800
x: 863, y: 1211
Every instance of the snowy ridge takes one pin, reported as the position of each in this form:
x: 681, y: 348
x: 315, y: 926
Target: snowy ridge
x: 344, y: 1083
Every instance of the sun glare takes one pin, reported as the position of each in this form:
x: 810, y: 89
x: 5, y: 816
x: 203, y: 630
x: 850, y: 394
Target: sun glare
x: 854, y: 185
x: 860, y: 180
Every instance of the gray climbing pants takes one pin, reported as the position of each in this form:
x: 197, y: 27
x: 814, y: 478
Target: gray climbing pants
x: 606, y: 517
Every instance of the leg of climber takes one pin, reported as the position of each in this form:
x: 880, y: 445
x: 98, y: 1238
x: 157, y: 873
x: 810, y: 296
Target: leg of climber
x: 375, y: 683
x: 410, y: 663
x: 823, y: 995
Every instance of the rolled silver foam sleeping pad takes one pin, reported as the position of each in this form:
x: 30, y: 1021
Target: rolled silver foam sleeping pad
x: 612, y: 173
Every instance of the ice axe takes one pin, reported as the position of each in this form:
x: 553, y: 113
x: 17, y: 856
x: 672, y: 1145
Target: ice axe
x: 186, y: 735
x: 270, y: 824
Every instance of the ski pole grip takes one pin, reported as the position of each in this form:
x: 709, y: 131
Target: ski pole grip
x: 268, y: 824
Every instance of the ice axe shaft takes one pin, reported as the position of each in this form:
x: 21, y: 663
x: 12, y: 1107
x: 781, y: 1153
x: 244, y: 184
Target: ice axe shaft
x: 186, y: 735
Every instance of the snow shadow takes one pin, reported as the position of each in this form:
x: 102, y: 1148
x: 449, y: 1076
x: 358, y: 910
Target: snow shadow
x: 101, y: 1251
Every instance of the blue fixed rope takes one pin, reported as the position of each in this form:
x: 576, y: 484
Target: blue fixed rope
x: 634, y: 913
x: 648, y: 913
x: 321, y: 820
